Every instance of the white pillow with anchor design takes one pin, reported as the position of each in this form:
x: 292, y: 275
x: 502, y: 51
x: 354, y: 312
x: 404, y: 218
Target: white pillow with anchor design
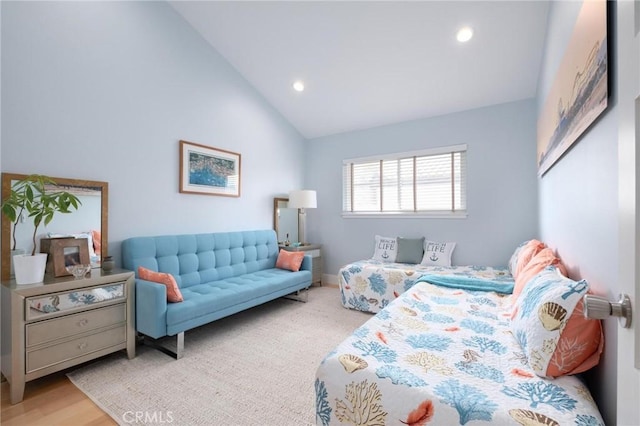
x: 437, y: 254
x: 386, y: 249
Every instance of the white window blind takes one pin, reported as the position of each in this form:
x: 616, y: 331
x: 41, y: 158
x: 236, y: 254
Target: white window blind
x: 424, y: 182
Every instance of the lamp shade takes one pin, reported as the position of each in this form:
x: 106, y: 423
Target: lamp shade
x: 302, y: 199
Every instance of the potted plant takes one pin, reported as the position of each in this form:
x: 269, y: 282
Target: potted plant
x: 31, y: 196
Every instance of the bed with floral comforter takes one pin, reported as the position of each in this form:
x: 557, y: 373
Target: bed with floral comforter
x: 443, y: 356
x: 369, y: 285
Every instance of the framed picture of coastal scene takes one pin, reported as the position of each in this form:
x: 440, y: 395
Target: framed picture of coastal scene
x: 578, y: 95
x: 207, y: 170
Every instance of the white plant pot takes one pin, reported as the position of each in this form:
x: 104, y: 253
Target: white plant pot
x: 29, y: 269
x: 14, y: 253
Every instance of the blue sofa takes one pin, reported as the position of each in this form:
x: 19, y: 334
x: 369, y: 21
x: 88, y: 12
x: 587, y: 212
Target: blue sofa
x: 219, y: 274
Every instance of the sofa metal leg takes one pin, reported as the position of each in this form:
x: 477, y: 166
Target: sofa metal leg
x: 157, y: 344
x: 180, y: 345
x: 297, y: 296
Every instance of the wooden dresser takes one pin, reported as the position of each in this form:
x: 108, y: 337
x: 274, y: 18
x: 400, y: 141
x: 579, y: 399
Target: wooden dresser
x: 62, y: 322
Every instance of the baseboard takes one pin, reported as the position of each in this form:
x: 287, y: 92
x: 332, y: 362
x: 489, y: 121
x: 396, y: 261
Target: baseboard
x: 330, y: 280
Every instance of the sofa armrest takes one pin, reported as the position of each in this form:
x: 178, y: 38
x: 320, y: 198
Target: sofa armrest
x: 151, y: 309
x: 307, y: 263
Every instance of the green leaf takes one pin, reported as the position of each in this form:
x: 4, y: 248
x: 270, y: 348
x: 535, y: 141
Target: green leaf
x: 9, y: 211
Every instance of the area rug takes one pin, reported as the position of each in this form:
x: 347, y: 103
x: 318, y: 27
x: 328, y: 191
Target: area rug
x: 253, y: 368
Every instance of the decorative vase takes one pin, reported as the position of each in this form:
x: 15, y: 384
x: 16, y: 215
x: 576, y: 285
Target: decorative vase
x: 14, y: 253
x: 108, y: 263
x: 29, y: 269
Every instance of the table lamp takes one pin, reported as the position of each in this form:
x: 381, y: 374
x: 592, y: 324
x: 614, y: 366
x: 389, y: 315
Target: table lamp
x: 302, y: 199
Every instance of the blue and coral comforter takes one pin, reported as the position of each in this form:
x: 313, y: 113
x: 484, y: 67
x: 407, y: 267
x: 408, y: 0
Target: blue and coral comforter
x: 443, y: 356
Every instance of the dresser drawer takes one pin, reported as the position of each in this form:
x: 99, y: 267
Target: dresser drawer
x: 70, y: 325
x: 77, y: 300
x: 54, y: 354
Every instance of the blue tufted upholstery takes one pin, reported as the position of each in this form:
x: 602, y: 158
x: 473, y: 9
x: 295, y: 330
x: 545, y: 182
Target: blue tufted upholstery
x: 219, y: 274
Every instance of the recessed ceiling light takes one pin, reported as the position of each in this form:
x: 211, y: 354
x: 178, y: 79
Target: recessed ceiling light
x: 464, y: 34
x: 298, y: 86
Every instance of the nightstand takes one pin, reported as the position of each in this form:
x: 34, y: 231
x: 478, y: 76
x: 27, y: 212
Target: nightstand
x: 62, y: 322
x: 315, y: 251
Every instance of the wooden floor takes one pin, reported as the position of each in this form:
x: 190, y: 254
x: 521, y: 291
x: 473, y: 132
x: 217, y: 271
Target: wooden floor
x: 51, y: 400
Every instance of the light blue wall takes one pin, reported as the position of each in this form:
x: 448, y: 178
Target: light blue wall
x: 579, y: 204
x: 105, y: 90
x: 502, y: 185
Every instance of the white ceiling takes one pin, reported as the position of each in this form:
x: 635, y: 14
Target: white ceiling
x: 367, y: 63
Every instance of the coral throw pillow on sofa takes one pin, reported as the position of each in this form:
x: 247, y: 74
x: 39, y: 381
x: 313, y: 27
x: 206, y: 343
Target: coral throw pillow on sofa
x: 290, y: 260
x: 173, y: 291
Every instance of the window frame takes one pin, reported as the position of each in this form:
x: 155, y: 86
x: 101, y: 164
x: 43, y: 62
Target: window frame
x: 435, y: 214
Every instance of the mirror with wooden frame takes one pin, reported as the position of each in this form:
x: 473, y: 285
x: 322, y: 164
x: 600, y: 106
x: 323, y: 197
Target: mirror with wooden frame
x: 92, y: 215
x: 285, y: 221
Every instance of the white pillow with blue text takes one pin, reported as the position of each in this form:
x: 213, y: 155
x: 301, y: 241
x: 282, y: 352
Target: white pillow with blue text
x: 386, y: 249
x: 437, y: 254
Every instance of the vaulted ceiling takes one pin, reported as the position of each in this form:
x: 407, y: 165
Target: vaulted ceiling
x: 367, y: 63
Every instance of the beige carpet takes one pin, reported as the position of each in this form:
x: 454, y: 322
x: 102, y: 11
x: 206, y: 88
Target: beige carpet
x: 253, y: 368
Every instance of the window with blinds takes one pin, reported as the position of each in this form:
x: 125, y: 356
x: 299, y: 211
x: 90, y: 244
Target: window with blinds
x: 431, y: 182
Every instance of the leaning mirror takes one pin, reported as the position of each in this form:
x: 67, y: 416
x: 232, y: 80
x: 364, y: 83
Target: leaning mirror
x: 285, y: 221
x: 91, y: 218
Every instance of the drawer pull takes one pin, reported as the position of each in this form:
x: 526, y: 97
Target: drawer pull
x: 82, y: 346
x: 83, y: 322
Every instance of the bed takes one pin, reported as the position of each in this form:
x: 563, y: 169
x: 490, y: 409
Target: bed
x: 369, y: 285
x: 442, y: 355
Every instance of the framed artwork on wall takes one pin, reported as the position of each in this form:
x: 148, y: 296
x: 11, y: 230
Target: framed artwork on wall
x: 579, y: 92
x: 207, y: 170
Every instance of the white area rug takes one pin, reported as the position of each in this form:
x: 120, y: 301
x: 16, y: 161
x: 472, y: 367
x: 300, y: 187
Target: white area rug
x: 253, y: 368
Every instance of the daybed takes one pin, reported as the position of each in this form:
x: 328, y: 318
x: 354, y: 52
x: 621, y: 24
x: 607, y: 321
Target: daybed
x: 369, y: 285
x: 443, y: 355
x: 217, y: 274
x: 397, y: 263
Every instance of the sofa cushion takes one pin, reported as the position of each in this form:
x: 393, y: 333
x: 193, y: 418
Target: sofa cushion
x: 193, y: 259
x: 173, y: 292
x: 207, y: 298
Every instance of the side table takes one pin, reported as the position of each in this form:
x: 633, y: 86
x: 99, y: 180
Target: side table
x: 315, y: 251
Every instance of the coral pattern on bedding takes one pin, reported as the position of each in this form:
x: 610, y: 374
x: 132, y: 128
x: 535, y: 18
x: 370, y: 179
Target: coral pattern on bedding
x: 443, y: 356
x: 369, y: 285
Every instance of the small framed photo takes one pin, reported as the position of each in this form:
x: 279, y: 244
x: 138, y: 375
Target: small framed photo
x: 207, y: 170
x: 64, y: 252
